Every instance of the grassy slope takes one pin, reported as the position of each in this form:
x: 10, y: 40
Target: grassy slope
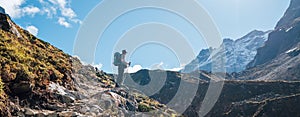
x: 29, y: 61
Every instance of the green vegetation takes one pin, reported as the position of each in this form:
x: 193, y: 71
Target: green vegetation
x: 144, y: 107
x: 28, y: 58
x: 106, y: 79
x: 25, y: 58
x: 3, y: 99
x: 2, y: 94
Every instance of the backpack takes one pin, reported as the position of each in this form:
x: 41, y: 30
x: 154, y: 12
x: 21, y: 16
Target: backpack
x: 117, y: 59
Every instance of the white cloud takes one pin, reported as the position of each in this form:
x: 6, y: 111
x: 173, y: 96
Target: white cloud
x: 66, y: 11
x: 157, y: 66
x: 58, y: 9
x: 49, y: 11
x: 133, y: 69
x: 175, y: 69
x: 76, y: 21
x: 41, y: 1
x: 160, y: 66
x: 33, y: 30
x: 53, y: 1
x: 12, y: 7
x: 99, y: 66
x: 30, y: 10
x: 62, y: 21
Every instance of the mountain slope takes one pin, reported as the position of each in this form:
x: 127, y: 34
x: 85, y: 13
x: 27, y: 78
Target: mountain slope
x: 279, y: 59
x: 238, y: 53
x: 38, y: 79
x: 284, y: 37
x: 291, y: 15
x: 29, y: 64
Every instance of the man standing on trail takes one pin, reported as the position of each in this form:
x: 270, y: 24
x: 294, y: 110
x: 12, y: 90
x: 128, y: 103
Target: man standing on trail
x: 121, y: 67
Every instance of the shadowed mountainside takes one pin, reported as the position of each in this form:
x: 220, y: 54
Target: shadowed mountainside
x: 238, y: 98
x: 279, y: 59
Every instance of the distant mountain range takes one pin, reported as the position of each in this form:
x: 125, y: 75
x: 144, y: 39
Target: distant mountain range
x: 268, y: 81
x: 238, y: 53
x: 271, y: 55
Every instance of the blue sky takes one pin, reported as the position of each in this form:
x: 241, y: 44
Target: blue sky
x: 58, y: 21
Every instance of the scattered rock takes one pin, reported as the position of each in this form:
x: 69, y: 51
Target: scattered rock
x: 52, y: 115
x: 96, y: 108
x: 130, y: 106
x: 20, y: 114
x: 84, y: 109
x: 21, y: 87
x: 54, y: 107
x: 40, y: 115
x: 29, y: 112
x: 66, y: 99
x: 68, y: 114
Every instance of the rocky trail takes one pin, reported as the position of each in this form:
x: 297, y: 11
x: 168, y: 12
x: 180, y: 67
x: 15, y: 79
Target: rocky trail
x: 96, y: 95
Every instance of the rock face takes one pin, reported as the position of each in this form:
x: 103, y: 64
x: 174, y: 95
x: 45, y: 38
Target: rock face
x: 279, y: 59
x: 291, y: 16
x: 4, y: 25
x: 238, y: 53
x: 284, y: 37
x: 202, y: 57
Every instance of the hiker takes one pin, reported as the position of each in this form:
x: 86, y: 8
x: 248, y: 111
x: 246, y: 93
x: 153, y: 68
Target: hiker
x: 119, y: 60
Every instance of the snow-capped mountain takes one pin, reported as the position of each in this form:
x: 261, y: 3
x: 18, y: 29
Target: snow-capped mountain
x: 238, y: 53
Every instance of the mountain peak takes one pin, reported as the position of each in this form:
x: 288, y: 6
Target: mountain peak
x: 238, y: 53
x: 254, y: 33
x: 227, y: 40
x: 291, y: 16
